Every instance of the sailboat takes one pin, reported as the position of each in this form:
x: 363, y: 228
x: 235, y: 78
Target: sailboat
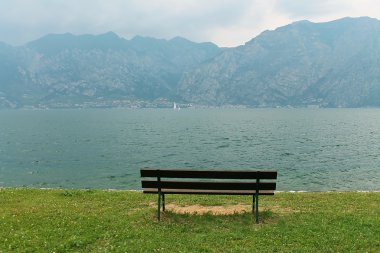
x: 176, y: 107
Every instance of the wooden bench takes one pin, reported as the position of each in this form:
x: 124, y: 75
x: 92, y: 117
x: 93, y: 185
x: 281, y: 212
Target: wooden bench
x: 216, y: 182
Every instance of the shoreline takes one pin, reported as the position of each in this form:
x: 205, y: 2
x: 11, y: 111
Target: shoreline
x: 134, y: 190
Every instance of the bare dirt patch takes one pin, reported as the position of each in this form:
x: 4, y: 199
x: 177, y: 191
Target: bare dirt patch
x: 216, y: 210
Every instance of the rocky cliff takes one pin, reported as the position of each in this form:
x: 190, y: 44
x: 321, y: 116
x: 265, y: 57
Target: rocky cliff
x: 332, y: 64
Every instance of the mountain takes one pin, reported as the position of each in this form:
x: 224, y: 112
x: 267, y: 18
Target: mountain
x: 12, y: 71
x: 66, y: 70
x: 331, y: 64
x: 53, y: 44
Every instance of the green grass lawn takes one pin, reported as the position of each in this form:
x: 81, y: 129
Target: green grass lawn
x: 33, y: 220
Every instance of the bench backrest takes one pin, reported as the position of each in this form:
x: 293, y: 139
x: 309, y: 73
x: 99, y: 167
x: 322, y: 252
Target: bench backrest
x: 241, y: 180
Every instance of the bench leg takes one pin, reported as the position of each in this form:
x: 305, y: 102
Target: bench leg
x: 163, y: 202
x: 159, y: 207
x: 253, y: 204
x: 257, y: 208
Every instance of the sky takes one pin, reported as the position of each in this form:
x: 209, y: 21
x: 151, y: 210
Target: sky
x: 227, y: 23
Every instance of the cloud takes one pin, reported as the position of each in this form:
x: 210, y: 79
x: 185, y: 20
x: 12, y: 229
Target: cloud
x: 21, y: 21
x: 225, y: 22
x: 325, y: 10
x: 304, y: 8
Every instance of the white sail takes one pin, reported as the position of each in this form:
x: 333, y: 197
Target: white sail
x: 176, y: 107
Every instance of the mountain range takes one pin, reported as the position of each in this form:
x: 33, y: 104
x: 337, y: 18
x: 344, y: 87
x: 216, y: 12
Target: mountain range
x: 331, y: 64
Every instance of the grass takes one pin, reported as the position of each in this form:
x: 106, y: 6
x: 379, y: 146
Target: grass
x: 33, y: 220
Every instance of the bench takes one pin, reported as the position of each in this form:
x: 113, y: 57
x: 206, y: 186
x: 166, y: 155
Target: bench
x: 213, y: 182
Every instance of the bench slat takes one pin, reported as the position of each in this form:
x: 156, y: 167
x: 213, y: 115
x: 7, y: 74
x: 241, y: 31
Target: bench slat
x: 210, y: 192
x: 197, y: 185
x: 208, y: 174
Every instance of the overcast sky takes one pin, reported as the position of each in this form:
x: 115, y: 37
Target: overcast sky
x: 224, y: 22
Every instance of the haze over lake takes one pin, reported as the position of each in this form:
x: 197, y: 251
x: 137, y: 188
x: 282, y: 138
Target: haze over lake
x: 313, y: 150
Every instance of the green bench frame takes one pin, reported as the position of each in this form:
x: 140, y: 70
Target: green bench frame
x: 211, y: 182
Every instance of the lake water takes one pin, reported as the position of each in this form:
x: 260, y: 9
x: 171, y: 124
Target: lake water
x: 312, y: 150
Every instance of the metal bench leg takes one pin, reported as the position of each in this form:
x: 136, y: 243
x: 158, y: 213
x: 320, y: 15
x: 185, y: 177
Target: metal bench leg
x: 257, y: 199
x: 159, y: 196
x: 257, y: 207
x: 253, y: 204
x: 163, y: 202
x: 159, y: 207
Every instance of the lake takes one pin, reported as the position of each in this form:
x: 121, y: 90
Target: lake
x: 312, y: 149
